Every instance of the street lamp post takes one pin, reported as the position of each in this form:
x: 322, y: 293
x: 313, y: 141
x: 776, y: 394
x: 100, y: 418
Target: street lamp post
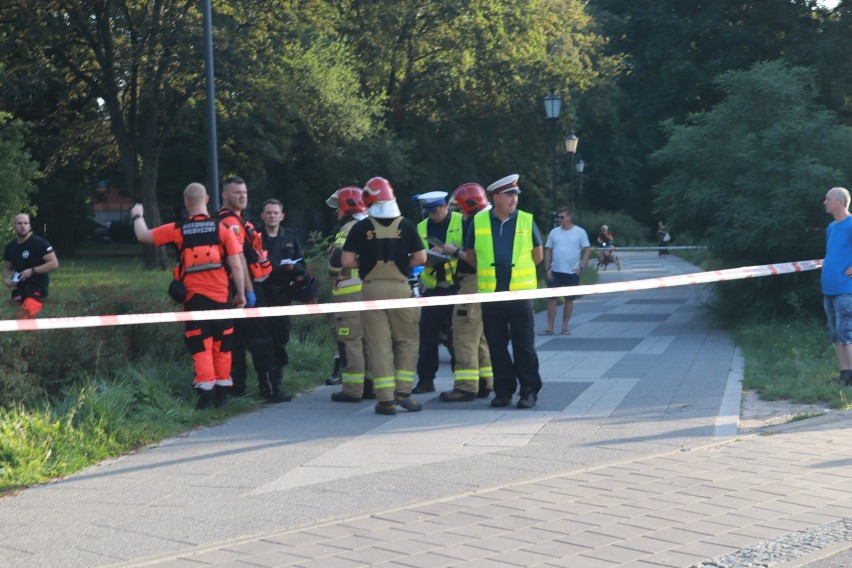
x: 552, y: 106
x: 581, y: 165
x: 571, y: 142
x: 212, y: 144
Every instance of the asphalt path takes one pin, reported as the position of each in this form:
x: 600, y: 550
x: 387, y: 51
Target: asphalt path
x: 642, y: 373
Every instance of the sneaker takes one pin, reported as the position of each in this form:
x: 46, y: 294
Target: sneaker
x: 501, y: 401
x: 457, y: 395
x: 387, y: 407
x: 406, y: 402
x: 334, y: 380
x: 340, y: 397
x: 424, y: 387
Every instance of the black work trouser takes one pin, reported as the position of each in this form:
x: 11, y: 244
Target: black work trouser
x: 434, y: 320
x: 512, y: 321
x: 254, y: 335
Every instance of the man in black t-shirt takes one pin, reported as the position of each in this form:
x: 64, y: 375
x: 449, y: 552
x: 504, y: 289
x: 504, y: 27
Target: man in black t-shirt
x: 28, y: 259
x: 384, y: 248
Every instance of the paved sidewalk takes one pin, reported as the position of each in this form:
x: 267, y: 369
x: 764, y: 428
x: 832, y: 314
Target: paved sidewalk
x: 750, y: 501
x: 630, y: 458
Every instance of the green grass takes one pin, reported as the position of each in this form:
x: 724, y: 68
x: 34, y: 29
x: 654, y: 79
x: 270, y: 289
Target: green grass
x: 72, y: 398
x: 787, y: 358
x: 792, y: 361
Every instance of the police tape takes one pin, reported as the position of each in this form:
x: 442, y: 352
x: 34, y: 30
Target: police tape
x: 658, y: 247
x: 708, y: 277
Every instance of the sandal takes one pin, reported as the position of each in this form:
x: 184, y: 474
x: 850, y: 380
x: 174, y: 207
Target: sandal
x: 546, y: 332
x: 566, y: 332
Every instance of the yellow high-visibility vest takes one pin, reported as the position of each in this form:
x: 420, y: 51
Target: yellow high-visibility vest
x: 454, y: 236
x: 523, y: 266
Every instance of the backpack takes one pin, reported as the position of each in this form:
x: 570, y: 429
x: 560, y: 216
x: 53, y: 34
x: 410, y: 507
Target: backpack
x: 257, y: 259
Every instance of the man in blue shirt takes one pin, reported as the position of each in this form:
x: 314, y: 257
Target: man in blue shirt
x: 837, y: 279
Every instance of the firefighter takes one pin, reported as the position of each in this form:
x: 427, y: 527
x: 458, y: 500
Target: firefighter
x: 349, y: 207
x: 207, y: 250
x: 472, y: 372
x: 440, y: 228
x: 384, y: 247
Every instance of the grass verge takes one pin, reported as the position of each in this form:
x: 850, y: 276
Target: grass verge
x: 72, y: 398
x: 786, y: 358
x: 791, y: 360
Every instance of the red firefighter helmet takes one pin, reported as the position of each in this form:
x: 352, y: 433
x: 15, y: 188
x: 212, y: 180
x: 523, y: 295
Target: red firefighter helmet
x: 349, y: 200
x: 471, y: 198
x: 378, y: 189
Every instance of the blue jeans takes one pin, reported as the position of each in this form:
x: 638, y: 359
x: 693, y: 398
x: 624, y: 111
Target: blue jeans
x: 838, y: 311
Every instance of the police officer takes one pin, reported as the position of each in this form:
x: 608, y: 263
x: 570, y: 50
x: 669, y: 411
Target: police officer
x: 439, y: 228
x: 348, y: 203
x: 384, y: 247
x: 505, y: 247
x: 288, y: 281
x: 206, y: 247
x: 473, y: 374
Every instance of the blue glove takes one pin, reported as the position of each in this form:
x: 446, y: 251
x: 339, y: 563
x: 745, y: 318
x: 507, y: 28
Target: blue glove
x: 251, y: 299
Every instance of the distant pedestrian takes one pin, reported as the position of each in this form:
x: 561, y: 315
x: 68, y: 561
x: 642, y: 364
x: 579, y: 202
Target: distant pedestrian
x: 837, y: 279
x: 663, y: 238
x: 28, y: 258
x: 384, y: 248
x: 566, y: 255
x: 207, y: 250
x: 505, y: 246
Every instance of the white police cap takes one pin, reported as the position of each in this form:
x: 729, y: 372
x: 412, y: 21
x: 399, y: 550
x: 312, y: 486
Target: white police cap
x: 508, y: 184
x: 432, y: 199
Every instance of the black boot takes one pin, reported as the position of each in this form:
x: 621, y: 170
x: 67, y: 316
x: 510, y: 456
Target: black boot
x: 484, y: 391
x: 205, y: 399
x: 220, y: 396
x: 369, y: 394
x: 424, y: 386
x: 336, y: 375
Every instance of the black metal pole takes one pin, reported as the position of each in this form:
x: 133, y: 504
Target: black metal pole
x: 571, y: 194
x: 212, y: 144
x: 553, y: 167
x: 580, y: 200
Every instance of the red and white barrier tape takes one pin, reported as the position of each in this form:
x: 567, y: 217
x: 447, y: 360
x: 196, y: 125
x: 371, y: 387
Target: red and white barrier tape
x: 311, y: 309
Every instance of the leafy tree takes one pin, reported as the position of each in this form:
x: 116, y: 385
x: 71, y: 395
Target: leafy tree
x: 674, y: 51
x: 139, y: 60
x: 748, y: 176
x: 463, y: 82
x: 18, y: 170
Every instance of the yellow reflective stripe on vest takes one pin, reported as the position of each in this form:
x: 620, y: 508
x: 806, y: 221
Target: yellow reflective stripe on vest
x: 454, y: 237
x: 523, y: 267
x: 346, y: 290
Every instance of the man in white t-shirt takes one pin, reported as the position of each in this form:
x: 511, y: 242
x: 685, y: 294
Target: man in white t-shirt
x: 566, y: 255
